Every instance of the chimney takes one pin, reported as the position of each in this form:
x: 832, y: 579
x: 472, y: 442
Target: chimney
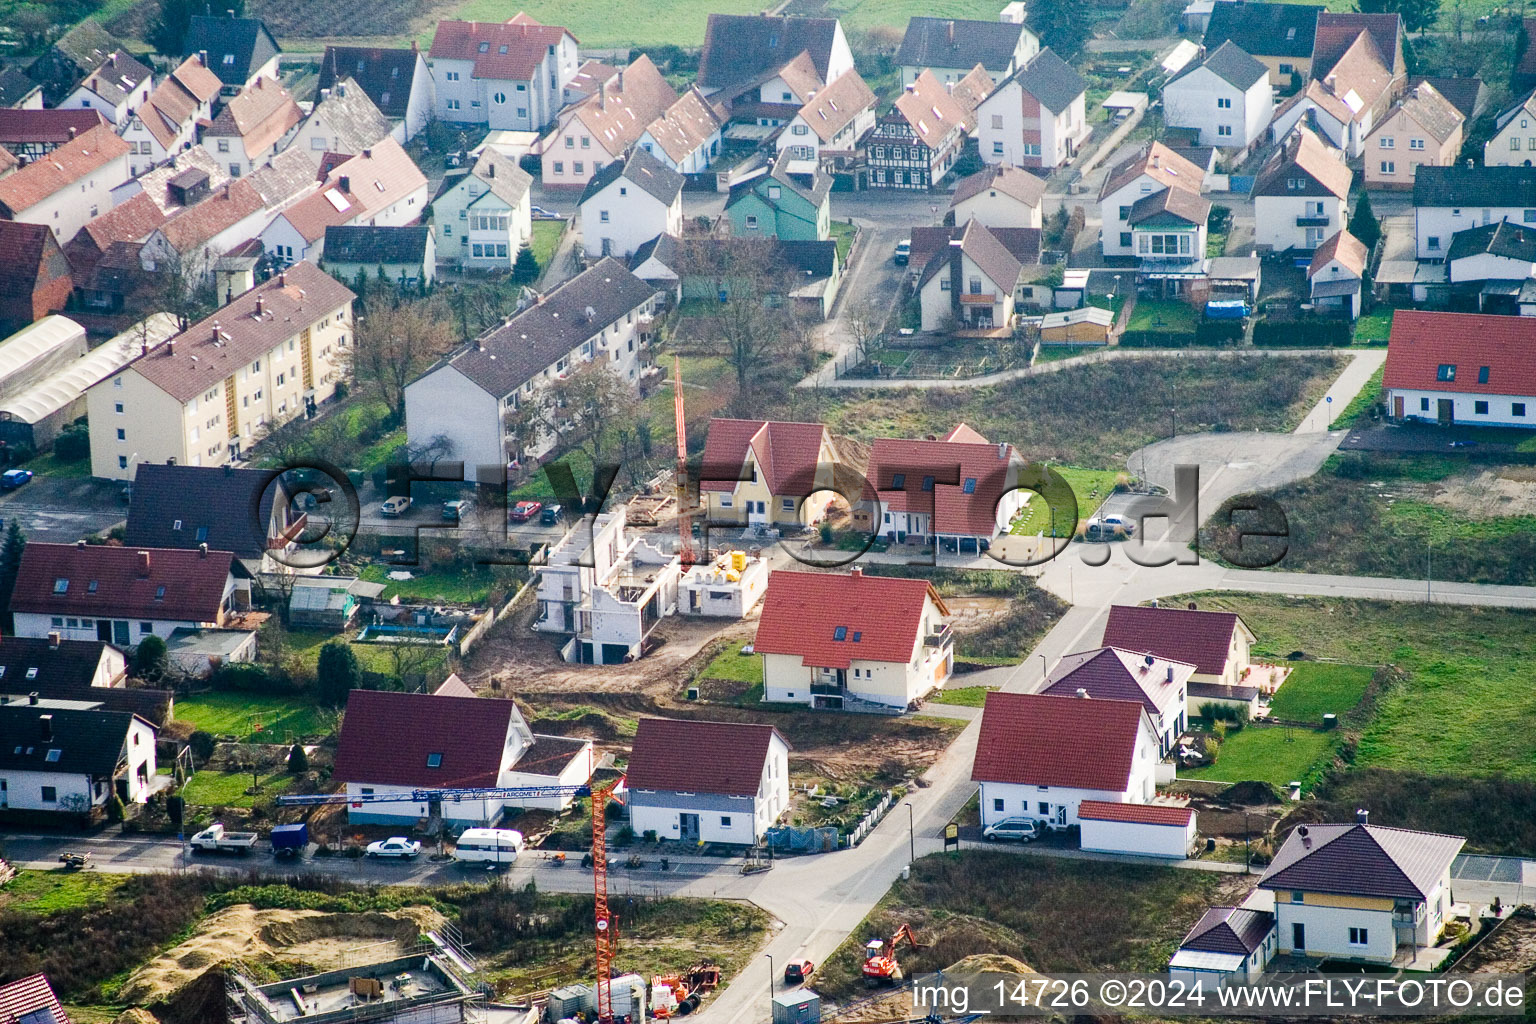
x: 1156, y: 160
x: 341, y: 90
x: 1002, y: 450
x: 202, y: 57
x: 367, y: 154
x: 144, y: 348
x: 951, y: 31
x: 325, y: 94
x: 1306, y: 836
x: 282, y: 279
x: 1170, y: 674
x: 857, y: 572
x: 112, y: 59
x: 260, y: 304
x: 1363, y: 816
x: 202, y: 552
x: 32, y: 697
x: 230, y: 11
x: 45, y: 728
x: 1083, y: 693
x: 1147, y: 660
x: 170, y: 346
x: 215, y: 332
x: 53, y: 640
x: 490, y: 171
x: 345, y: 181
x: 71, y: 131
x: 621, y: 81
x: 143, y: 565
x: 1191, y: 606
x: 80, y: 545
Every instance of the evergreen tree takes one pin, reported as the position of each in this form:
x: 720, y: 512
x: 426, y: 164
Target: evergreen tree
x: 298, y: 761
x: 337, y: 673
x: 149, y: 658
x: 10, y: 563
x: 1060, y: 25
x: 1363, y: 223
x: 526, y: 269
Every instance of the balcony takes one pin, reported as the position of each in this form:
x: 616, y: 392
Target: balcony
x: 828, y: 690
x: 990, y: 298
x: 1312, y: 222
x: 942, y: 637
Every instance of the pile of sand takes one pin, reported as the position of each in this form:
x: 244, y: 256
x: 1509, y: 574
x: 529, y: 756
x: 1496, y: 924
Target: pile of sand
x: 244, y: 933
x: 134, y: 1015
x: 989, y: 963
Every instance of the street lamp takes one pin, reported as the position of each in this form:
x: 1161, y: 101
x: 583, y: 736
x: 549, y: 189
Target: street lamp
x: 771, y: 976
x: 1044, y: 675
x: 911, y: 835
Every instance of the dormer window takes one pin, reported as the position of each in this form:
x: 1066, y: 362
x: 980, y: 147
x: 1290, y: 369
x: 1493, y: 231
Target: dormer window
x: 898, y: 481
x: 61, y: 586
x: 160, y: 593
x: 434, y: 760
x: 32, y: 672
x: 840, y: 633
x: 91, y: 587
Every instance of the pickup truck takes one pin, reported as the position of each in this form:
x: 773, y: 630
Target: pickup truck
x: 216, y: 839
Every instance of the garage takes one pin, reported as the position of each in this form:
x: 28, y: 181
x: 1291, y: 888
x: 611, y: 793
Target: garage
x: 1143, y: 830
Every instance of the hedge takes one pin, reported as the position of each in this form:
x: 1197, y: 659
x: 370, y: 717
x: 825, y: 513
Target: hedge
x: 1303, y: 333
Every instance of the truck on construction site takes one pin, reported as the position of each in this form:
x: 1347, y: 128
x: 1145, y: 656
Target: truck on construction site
x: 217, y: 839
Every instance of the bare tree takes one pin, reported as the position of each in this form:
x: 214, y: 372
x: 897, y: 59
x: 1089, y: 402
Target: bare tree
x: 865, y: 323
x: 750, y: 319
x: 526, y: 424
x: 395, y: 343
x: 589, y: 403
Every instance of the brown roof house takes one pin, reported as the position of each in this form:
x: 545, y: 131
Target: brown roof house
x: 252, y: 126
x: 595, y: 131
x: 974, y: 286
x: 69, y: 186
x: 999, y: 196
x: 830, y: 124
x: 707, y: 782
x: 1424, y: 128
x: 917, y: 143
x: 1336, y: 272
x: 1361, y: 891
x: 767, y: 471
x: 1301, y: 197
x: 1357, y: 74
x: 1152, y: 207
x: 192, y: 240
x: 507, y: 76
x: 454, y: 742
x: 1216, y: 643
x: 37, y: 278
x: 686, y: 137
x: 166, y: 122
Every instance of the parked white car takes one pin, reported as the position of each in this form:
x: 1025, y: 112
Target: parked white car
x: 394, y: 846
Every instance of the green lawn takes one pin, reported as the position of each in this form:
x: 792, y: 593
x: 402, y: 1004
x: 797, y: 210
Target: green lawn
x: 237, y: 714
x: 1274, y: 754
x: 47, y: 892
x: 372, y: 657
x: 546, y: 236
x: 1167, y: 317
x: 1467, y: 706
x: 228, y: 789
x: 1374, y: 328
x: 965, y: 696
x: 1314, y: 689
x: 842, y: 234
x: 467, y: 586
x: 732, y: 664
x: 1091, y: 486
x: 1363, y: 400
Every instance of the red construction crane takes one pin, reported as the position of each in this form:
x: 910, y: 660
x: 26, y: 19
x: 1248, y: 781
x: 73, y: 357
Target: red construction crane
x: 684, y: 516
x: 605, y: 926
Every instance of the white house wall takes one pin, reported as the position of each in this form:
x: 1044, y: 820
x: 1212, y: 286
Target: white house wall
x: 1172, y: 841
x: 633, y: 218
x: 1501, y: 412
x: 997, y: 211
x: 446, y: 402
x: 1327, y: 930
x: 1436, y: 224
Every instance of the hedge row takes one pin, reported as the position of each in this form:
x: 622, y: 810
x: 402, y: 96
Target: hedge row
x: 1303, y: 333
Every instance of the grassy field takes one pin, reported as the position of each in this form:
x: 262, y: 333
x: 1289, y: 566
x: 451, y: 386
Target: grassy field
x: 471, y: 585
x: 964, y: 696
x: 49, y: 465
x: 228, y: 789
x: 1046, y: 911
x: 732, y: 664
x: 1374, y: 328
x: 1171, y: 317
x: 1088, y: 416
x: 842, y: 234
x: 373, y: 657
x: 546, y: 238
x: 1314, y: 689
x: 1275, y: 754
x: 46, y: 892
x: 1090, y: 486
x: 1406, y: 516
x: 1467, y: 705
x: 237, y: 714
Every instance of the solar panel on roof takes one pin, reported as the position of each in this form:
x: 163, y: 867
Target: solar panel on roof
x: 337, y: 200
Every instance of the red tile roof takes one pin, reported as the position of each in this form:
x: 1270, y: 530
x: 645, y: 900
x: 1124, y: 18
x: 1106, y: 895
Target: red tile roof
x: 386, y: 737
x: 221, y: 210
x: 30, y: 258
x: 102, y: 580
x: 880, y: 617
x: 260, y: 116
x: 618, y: 113
x: 956, y: 510
x: 1424, y: 341
x: 29, y: 995
x: 1202, y: 639
x: 931, y: 111
x: 45, y: 126
x: 677, y: 756
x: 785, y: 453
x: 1341, y: 246
x: 89, y: 152
x: 1136, y: 814
x: 1110, y: 673
x: 512, y: 50
x: 1035, y: 740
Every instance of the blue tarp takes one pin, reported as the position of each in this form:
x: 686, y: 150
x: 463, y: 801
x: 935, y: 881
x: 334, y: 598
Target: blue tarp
x: 1234, y: 309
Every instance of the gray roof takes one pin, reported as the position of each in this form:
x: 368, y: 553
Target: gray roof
x: 385, y: 75
x: 740, y: 47
x: 1511, y: 241
x: 1274, y: 30
x: 348, y: 119
x: 246, y: 40
x: 794, y: 257
x: 288, y: 176
x: 665, y: 249
x: 507, y: 181
x: 649, y: 174
x: 1435, y: 113
x: 348, y: 243
x: 1464, y: 93
x: 1474, y: 186
x: 87, y: 45
x: 959, y: 43
x: 1170, y: 204
x: 1229, y: 930
x: 226, y: 508
x: 814, y: 193
x: 1233, y: 65
x: 88, y: 742
x: 1362, y: 860
x: 1051, y: 80
x: 544, y: 332
x: 116, y: 79
x: 15, y: 86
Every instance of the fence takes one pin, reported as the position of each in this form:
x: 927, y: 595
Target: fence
x: 870, y: 820
x: 803, y: 840
x: 1309, y: 333
x: 479, y: 629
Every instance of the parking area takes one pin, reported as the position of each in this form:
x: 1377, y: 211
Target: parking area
x: 1430, y: 437
x: 60, y: 510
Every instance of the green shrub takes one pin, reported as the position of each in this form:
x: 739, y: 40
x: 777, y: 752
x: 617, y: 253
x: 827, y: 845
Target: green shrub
x: 202, y: 744
x: 72, y: 445
x: 298, y: 760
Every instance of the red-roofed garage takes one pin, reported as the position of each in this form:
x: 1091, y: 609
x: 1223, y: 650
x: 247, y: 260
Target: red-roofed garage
x: 1143, y: 830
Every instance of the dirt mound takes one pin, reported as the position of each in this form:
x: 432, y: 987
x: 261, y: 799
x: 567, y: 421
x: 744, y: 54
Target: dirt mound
x: 1249, y: 794
x: 989, y: 963
x: 134, y: 1015
x: 244, y: 933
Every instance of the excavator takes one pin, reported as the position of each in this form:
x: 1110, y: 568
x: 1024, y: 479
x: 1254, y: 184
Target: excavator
x: 880, y: 964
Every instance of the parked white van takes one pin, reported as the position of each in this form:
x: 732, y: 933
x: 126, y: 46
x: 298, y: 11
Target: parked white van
x: 489, y: 846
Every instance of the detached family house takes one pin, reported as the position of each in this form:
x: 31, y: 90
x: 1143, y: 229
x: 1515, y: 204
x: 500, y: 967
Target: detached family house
x: 1425, y: 128
x: 1461, y: 368
x: 972, y: 285
x: 782, y: 205
x: 1448, y: 200
x: 596, y: 131
x: 238, y: 50
x: 1226, y: 98
x: 829, y: 125
x: 707, y: 782
x: 1514, y: 141
x: 1151, y: 207
x: 767, y: 472
x: 686, y: 137
x: 853, y: 642
x: 1035, y: 118
x: 1301, y: 197
x: 1361, y: 891
x: 916, y: 144
x: 958, y: 492
x: 398, y: 82
x: 1336, y: 275
x: 484, y: 217
x: 1110, y: 673
x: 452, y: 742
x: 119, y: 86
x: 73, y: 761
x: 1042, y: 757
x: 508, y: 76
x: 467, y: 397
x: 404, y: 256
x: 1217, y: 644
x: 244, y: 511
x: 630, y: 202
x: 999, y: 196
x: 1277, y: 35
x: 343, y: 121
x: 121, y: 595
x: 950, y: 47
